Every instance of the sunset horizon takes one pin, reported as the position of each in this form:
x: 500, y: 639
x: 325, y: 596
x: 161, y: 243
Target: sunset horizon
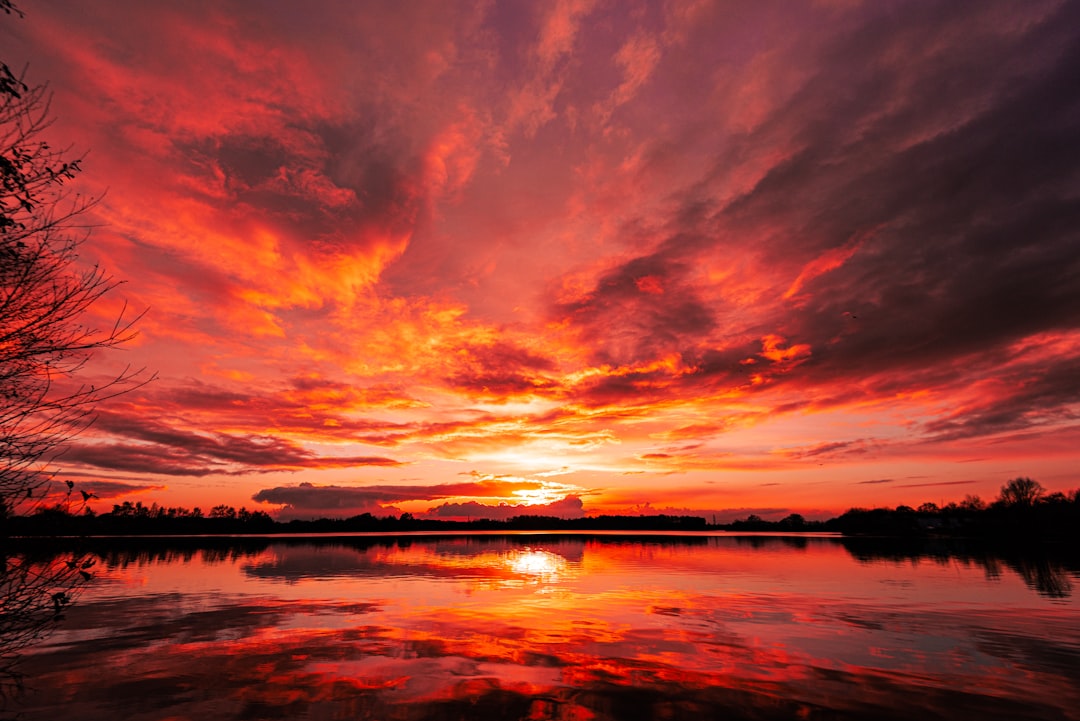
x: 573, y: 258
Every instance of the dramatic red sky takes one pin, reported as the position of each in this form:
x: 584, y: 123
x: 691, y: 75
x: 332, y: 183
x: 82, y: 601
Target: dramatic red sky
x: 611, y: 256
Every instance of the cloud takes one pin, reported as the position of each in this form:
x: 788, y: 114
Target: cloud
x: 306, y: 499
x: 829, y: 450
x: 104, y: 489
x: 933, y: 485
x: 1029, y: 392
x: 158, y: 448
x: 307, y: 407
x: 532, y: 105
x: 562, y: 235
x: 638, y: 311
x: 849, y: 227
x: 501, y: 369
x: 569, y: 507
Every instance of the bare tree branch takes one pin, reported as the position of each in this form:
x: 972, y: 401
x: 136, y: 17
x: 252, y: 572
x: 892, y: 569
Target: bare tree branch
x: 45, y: 296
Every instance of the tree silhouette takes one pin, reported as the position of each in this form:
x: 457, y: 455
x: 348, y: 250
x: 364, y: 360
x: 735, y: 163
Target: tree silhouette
x: 34, y: 593
x: 1021, y: 492
x: 45, y: 337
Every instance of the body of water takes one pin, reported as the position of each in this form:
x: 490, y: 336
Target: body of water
x: 560, y: 627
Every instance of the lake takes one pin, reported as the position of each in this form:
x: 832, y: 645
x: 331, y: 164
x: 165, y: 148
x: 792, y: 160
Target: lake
x: 573, y: 627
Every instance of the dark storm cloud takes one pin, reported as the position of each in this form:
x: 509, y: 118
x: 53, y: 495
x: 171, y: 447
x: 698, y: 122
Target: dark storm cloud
x: 929, y: 215
x: 314, y: 179
x: 501, y: 369
x: 971, y: 231
x: 1028, y: 396
x: 640, y: 310
x: 625, y: 389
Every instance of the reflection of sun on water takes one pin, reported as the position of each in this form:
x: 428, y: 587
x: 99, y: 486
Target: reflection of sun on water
x: 537, y: 565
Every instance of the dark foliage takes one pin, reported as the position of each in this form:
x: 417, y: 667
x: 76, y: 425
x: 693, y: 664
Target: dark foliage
x: 138, y: 519
x: 45, y: 294
x: 35, y: 590
x: 1022, y: 513
x: 1054, y: 516
x: 45, y: 341
x: 1045, y: 568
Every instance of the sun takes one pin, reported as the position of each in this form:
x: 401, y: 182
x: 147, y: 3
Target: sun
x: 548, y: 492
x: 539, y: 565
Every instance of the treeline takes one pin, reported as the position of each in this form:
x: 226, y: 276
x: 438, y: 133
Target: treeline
x: 137, y: 519
x: 1023, y: 510
x: 793, y: 523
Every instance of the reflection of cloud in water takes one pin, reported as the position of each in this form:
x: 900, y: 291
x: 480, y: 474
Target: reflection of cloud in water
x: 709, y: 658
x: 294, y: 563
x: 121, y: 624
x: 452, y: 560
x: 627, y: 631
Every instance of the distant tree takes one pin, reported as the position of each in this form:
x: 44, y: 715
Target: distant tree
x: 123, y: 510
x: 794, y: 520
x: 45, y: 293
x: 973, y: 503
x: 1021, y: 492
x: 1056, y: 498
x: 223, y: 511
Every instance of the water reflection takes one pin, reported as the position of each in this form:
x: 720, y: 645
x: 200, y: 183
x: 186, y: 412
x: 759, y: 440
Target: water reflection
x: 462, y: 559
x: 537, y: 627
x: 36, y: 588
x: 540, y: 565
x: 1044, y: 569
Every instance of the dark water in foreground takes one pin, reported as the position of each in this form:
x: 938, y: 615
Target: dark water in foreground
x: 562, y: 627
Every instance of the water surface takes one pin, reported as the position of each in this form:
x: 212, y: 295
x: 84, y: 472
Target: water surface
x: 561, y: 627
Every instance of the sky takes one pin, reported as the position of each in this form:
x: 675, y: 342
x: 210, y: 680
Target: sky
x: 575, y: 257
